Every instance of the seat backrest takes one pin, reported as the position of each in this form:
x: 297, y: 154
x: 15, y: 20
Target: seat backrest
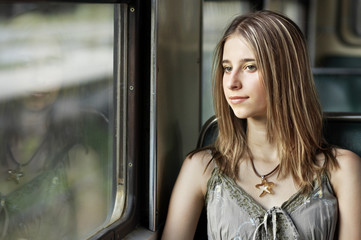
x: 340, y: 129
x: 344, y: 131
x: 209, y: 133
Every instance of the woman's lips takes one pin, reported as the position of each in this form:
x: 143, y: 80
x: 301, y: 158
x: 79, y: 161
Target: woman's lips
x: 39, y: 94
x: 237, y: 99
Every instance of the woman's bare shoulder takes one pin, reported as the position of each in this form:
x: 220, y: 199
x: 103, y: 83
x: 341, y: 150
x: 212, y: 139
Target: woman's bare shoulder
x: 349, y: 168
x: 83, y: 160
x: 200, y: 163
x: 187, y: 199
x: 347, y: 159
x: 345, y: 181
x: 201, y: 158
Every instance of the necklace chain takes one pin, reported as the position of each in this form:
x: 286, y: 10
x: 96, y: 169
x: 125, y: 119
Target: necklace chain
x: 265, y: 175
x: 13, y: 159
x: 16, y: 174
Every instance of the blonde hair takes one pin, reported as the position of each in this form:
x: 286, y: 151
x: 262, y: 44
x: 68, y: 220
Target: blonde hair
x: 294, y: 115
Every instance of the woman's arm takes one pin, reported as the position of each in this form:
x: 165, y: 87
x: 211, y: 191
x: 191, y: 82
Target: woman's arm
x: 86, y: 181
x: 346, y: 182
x: 187, y: 198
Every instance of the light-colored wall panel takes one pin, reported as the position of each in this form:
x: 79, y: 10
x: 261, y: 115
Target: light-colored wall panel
x: 177, y: 91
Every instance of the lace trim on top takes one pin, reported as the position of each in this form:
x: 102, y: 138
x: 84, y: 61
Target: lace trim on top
x: 252, y: 206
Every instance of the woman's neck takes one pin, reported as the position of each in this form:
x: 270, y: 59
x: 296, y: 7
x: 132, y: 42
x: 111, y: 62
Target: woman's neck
x: 259, y: 143
x: 33, y: 123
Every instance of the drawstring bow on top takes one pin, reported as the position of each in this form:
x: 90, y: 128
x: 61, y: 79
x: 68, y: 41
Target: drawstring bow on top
x: 272, y: 215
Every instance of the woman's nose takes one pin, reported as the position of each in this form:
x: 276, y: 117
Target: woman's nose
x: 234, y: 81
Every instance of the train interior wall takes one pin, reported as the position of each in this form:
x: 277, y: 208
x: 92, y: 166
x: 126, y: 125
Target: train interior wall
x: 178, y: 91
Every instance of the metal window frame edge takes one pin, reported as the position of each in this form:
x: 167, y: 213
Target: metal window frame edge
x: 123, y: 220
x: 153, y: 119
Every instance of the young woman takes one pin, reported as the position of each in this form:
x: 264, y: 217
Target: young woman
x: 270, y: 174
x: 50, y: 175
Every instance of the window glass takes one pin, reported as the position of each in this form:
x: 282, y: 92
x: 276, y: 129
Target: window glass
x: 357, y: 17
x: 56, y: 118
x: 294, y: 9
x: 350, y: 21
x: 338, y: 91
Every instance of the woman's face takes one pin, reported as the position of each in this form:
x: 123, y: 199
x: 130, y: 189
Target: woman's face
x: 37, y: 101
x: 242, y: 85
x: 44, y: 79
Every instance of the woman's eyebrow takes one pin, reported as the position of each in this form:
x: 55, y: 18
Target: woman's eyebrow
x: 242, y: 60
x: 248, y: 60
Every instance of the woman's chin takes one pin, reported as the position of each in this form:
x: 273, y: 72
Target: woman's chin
x: 38, y: 101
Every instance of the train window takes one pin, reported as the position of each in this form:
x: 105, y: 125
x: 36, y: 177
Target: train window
x: 357, y: 17
x: 350, y: 21
x: 334, y: 41
x: 336, y: 54
x: 57, y: 117
x: 294, y: 9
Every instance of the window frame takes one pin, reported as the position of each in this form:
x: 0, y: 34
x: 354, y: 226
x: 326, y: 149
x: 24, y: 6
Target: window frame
x: 126, y: 55
x: 346, y: 23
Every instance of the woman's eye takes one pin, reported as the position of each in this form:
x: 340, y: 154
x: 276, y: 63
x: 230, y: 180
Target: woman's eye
x: 227, y: 69
x: 251, y: 68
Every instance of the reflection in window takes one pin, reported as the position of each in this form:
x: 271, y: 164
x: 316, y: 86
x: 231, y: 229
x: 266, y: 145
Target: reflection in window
x: 56, y: 77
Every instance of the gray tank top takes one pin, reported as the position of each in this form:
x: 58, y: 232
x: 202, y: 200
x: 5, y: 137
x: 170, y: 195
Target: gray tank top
x: 233, y: 214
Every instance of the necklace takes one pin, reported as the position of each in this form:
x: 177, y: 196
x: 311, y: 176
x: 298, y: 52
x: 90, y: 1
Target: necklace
x: 16, y: 174
x: 264, y: 186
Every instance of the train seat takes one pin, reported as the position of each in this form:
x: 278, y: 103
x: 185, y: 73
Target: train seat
x: 343, y: 130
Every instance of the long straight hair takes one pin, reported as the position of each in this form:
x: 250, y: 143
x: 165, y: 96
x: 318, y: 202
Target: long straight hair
x: 294, y: 115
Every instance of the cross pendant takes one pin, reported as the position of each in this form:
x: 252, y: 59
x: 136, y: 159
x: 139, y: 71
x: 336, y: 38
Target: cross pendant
x: 15, y: 175
x: 265, y: 187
